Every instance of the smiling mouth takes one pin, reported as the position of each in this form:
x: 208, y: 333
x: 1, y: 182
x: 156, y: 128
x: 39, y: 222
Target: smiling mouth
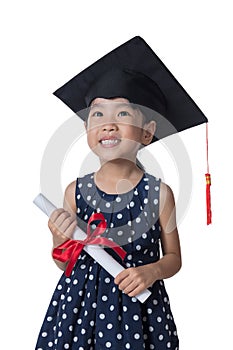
x: 110, y: 142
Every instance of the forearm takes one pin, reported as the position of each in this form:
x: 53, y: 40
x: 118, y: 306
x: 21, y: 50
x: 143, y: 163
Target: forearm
x: 59, y: 264
x: 167, y: 266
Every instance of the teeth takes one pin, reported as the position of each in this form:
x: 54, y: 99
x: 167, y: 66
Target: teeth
x: 109, y: 142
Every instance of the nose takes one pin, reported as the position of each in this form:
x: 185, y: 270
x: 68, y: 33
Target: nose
x: 109, y: 127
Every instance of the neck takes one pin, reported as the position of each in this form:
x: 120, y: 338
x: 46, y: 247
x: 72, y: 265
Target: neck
x: 118, y: 176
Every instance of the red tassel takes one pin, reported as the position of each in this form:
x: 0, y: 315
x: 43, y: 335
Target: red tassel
x: 208, y: 199
x: 208, y: 184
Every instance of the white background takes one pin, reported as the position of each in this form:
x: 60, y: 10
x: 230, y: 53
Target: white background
x: 44, y: 44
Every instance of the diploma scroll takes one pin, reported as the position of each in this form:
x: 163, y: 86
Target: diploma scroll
x: 96, y: 252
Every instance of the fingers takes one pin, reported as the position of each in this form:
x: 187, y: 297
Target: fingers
x: 63, y: 223
x: 131, y: 281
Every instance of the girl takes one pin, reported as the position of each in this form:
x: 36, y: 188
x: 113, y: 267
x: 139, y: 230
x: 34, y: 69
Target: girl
x: 90, y: 310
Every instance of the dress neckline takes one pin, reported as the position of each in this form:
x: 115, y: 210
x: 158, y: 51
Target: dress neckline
x: 119, y: 194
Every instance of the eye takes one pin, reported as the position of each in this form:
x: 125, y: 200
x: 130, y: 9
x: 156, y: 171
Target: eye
x: 123, y: 114
x: 97, y: 114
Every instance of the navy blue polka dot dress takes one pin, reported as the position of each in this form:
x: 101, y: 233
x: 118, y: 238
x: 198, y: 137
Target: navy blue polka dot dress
x: 87, y: 310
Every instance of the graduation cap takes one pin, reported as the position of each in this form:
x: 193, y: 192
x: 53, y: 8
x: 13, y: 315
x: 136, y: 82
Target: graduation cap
x: 135, y: 72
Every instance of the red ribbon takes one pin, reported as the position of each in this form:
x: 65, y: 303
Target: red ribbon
x: 70, y: 250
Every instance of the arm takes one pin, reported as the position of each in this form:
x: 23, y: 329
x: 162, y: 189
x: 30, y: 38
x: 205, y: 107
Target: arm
x: 133, y: 280
x: 62, y: 222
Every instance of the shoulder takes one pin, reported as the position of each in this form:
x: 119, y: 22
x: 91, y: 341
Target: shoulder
x: 167, y: 210
x: 69, y: 197
x: 166, y: 194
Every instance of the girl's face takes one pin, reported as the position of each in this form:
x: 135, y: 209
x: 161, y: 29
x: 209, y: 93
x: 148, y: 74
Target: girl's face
x: 116, y: 130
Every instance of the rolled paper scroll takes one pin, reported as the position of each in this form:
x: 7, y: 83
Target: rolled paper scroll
x: 95, y: 251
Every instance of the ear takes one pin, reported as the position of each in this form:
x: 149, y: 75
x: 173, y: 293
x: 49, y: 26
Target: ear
x: 148, y: 132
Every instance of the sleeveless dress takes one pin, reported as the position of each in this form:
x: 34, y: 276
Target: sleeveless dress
x: 87, y: 310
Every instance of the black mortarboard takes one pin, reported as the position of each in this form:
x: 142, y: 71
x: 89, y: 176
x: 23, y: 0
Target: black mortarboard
x: 135, y: 72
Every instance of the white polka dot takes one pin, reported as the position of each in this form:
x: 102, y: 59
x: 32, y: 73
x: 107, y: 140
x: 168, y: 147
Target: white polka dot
x: 119, y: 216
x: 145, y: 201
x: 131, y: 204
x: 126, y: 327
x: 130, y: 239
x: 92, y: 323
x: 151, y: 329
x: 49, y: 318
x: 156, y: 201
x: 83, y: 331
x: 78, y: 210
x: 112, y: 307
x: 59, y: 334
x: 138, y: 247
x: 91, y: 277
x: 136, y: 336
x: 125, y: 308
x: 134, y: 300
x: 104, y: 298
x: 118, y: 199
x: 75, y: 310
x: 50, y: 344
x: 147, y: 187
x: 71, y: 328
x: 107, y: 280
x: 109, y: 325
x: 119, y: 336
x: 127, y: 345
x: 136, y: 192
x: 44, y: 334
x: 155, y: 302
x: 156, y: 188
x: 129, y: 223
x: 75, y: 281
x: 101, y: 334
x: 129, y: 257
x: 169, y: 345
x: 135, y: 317
x: 113, y: 289
x: 144, y: 235
x: 138, y: 220
x: 80, y: 185
x: 75, y: 339
x: 54, y: 303
x: 120, y: 233
x: 88, y: 198
x: 160, y: 337
x: 69, y: 299
x: 108, y: 205
x: 85, y: 313
x: 83, y: 267
x: 108, y: 344
x: 66, y: 346
x: 102, y: 316
x: 159, y: 319
x: 59, y: 287
x: 89, y: 185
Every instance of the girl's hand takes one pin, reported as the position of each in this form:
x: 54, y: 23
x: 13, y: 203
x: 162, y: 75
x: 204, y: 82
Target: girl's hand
x: 134, y: 280
x: 62, y: 225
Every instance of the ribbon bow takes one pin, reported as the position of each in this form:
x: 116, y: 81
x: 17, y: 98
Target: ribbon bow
x: 70, y: 250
